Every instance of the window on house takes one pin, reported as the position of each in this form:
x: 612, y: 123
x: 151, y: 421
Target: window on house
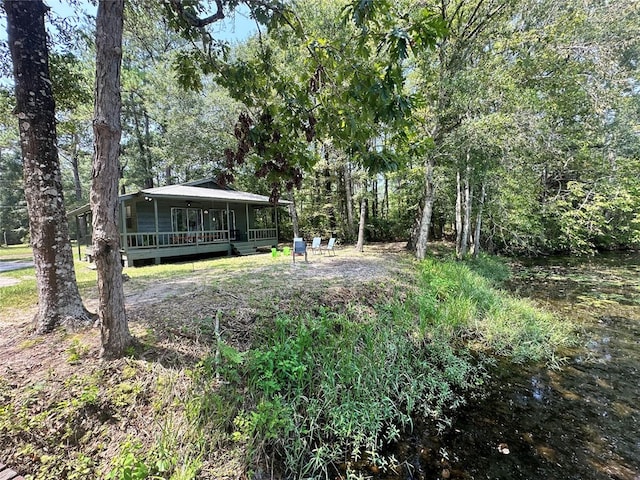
x: 186, y: 219
x: 129, y: 217
x: 219, y: 219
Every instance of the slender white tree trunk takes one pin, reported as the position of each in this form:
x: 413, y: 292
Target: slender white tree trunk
x: 293, y: 212
x: 363, y: 214
x: 476, y: 237
x: 466, y: 225
x: 458, y: 214
x: 349, y: 198
x: 105, y: 175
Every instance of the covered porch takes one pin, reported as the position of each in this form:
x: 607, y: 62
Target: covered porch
x: 183, y: 220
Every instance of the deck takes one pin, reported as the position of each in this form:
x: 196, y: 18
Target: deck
x: 156, y: 246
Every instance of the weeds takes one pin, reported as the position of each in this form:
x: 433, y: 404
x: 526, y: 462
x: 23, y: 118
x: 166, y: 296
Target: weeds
x: 325, y: 383
x: 320, y: 390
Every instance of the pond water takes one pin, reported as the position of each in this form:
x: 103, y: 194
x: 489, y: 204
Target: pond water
x: 579, y: 421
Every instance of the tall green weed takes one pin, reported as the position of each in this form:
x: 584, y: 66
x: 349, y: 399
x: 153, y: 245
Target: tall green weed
x: 340, y: 387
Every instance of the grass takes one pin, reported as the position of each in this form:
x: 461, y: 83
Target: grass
x: 16, y: 252
x: 318, y: 390
x: 320, y: 383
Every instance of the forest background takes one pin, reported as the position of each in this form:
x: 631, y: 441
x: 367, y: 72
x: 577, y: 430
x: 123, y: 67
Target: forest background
x: 520, y: 127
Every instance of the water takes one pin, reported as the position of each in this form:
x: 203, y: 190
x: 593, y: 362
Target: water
x: 581, y: 421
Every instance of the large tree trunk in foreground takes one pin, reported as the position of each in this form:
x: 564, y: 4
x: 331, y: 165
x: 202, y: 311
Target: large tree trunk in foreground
x: 59, y: 301
x: 105, y: 174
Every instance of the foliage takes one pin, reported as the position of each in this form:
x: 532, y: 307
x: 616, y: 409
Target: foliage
x: 463, y: 304
x: 317, y: 390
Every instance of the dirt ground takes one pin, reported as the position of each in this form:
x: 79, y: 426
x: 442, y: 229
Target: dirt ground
x: 238, y: 293
x: 172, y: 320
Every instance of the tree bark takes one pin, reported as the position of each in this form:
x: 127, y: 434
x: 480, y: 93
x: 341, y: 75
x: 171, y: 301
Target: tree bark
x: 328, y: 193
x: 476, y: 238
x: 458, y: 214
x: 427, y: 211
x: 75, y: 165
x: 105, y: 174
x: 363, y: 215
x: 468, y: 199
x: 59, y: 300
x: 293, y: 212
x: 348, y: 199
x: 385, y: 201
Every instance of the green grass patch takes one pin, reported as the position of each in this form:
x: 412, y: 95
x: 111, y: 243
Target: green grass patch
x: 460, y: 303
x: 16, y: 252
x: 319, y: 390
x: 24, y: 294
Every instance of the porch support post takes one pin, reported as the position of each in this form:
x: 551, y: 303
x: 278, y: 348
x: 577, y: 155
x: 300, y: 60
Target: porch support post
x: 123, y: 223
x: 247, y: 211
x: 123, y: 237
x: 78, y: 236
x: 228, y: 230
x: 275, y: 209
x: 156, y: 260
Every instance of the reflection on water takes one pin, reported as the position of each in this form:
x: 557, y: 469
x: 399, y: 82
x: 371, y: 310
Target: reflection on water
x: 581, y: 421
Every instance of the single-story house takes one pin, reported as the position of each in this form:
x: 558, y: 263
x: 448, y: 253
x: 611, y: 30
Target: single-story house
x: 192, y: 218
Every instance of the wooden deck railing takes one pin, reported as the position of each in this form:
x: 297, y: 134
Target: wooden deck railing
x: 262, y: 233
x: 132, y: 241
x: 174, y: 239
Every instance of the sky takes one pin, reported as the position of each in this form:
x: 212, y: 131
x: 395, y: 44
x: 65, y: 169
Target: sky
x: 233, y: 30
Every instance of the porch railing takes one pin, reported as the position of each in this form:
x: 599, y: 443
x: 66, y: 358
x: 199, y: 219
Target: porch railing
x: 174, y: 239
x: 262, y: 234
x: 133, y: 241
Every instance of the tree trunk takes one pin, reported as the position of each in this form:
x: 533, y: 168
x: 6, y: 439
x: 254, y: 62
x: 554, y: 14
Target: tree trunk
x: 348, y: 199
x: 386, y: 197
x: 425, y: 220
x: 466, y: 225
x: 293, y: 212
x: 328, y: 192
x: 143, y: 142
x: 58, y: 297
x: 104, y: 187
x: 375, y: 205
x: 476, y: 237
x: 363, y: 215
x: 458, y: 214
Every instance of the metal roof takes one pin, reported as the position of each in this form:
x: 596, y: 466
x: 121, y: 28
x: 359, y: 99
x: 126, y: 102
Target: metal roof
x: 199, y: 193
x: 188, y: 192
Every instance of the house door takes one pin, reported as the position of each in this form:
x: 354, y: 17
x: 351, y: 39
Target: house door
x: 219, y: 222
x: 187, y: 222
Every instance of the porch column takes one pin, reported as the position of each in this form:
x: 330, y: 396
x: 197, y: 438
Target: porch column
x: 228, y: 230
x: 276, y: 215
x: 156, y: 260
x: 78, y: 236
x: 247, y: 211
x: 123, y: 221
